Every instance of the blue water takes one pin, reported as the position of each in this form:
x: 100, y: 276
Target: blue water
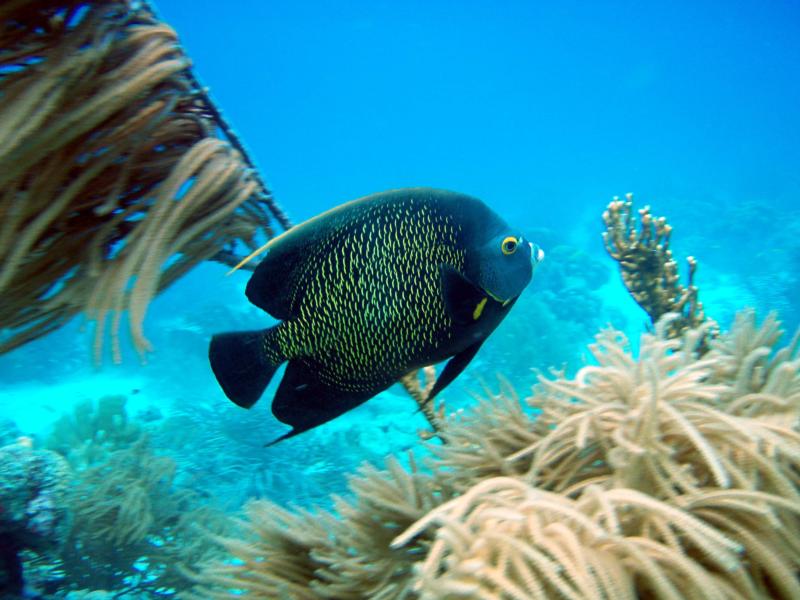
x: 545, y: 110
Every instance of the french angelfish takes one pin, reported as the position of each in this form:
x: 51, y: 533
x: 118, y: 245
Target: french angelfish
x: 366, y: 293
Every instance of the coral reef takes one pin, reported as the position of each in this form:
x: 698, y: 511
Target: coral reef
x: 100, y: 511
x: 312, y: 554
x: 115, y: 178
x: 9, y: 432
x: 567, y: 285
x: 134, y: 528
x: 745, y: 244
x: 221, y: 453
x: 569, y: 267
x: 34, y: 510
x: 114, y: 500
x: 93, y: 430
x: 648, y: 269
x: 670, y: 474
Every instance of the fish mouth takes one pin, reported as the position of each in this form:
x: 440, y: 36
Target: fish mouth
x: 537, y: 254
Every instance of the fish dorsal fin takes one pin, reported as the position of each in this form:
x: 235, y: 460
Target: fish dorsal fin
x: 272, y: 283
x: 463, y: 300
x: 277, y: 282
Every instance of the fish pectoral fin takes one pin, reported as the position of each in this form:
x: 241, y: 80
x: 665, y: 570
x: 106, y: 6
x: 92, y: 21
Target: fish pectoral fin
x: 454, y: 367
x: 463, y: 300
x: 303, y: 401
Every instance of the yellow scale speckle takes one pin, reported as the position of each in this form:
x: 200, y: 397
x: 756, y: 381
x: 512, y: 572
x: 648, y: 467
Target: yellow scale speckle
x: 365, y: 309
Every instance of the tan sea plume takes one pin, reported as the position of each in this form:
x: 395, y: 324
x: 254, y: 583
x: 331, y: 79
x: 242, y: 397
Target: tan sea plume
x: 666, y: 474
x: 115, y: 178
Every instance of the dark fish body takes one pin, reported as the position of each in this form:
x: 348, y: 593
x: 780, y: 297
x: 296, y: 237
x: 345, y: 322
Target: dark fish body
x: 369, y: 291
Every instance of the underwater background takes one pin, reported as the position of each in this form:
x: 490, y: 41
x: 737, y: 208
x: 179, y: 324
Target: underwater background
x: 544, y: 110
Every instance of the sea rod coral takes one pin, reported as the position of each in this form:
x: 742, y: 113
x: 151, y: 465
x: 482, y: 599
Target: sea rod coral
x: 669, y: 474
x: 114, y: 179
x: 641, y: 247
x: 134, y: 518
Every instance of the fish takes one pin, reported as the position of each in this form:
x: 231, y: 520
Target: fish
x: 368, y: 292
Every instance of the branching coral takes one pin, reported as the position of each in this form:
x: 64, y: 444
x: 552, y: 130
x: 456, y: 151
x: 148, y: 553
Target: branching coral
x: 115, y: 500
x: 305, y: 555
x: 114, y: 179
x: 763, y: 377
x: 667, y: 430
x: 505, y: 539
x: 128, y: 511
x: 420, y: 390
x: 652, y: 476
x: 133, y: 521
x: 92, y: 430
x: 648, y: 269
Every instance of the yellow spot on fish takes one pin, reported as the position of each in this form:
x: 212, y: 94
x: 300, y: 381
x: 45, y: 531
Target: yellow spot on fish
x: 479, y: 309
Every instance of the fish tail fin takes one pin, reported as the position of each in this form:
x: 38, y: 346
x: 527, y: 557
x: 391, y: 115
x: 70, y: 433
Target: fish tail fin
x: 243, y: 364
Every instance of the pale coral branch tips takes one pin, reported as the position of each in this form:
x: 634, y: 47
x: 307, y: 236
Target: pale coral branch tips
x: 113, y: 187
x: 641, y: 247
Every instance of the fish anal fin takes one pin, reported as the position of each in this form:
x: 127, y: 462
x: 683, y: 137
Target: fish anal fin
x: 303, y: 401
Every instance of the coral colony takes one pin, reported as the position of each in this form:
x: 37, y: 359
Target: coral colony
x: 91, y: 222
x: 668, y: 472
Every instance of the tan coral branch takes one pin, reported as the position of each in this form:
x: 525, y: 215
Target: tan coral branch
x: 115, y: 181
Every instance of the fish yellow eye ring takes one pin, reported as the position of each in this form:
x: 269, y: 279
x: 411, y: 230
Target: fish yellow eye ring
x: 509, y: 245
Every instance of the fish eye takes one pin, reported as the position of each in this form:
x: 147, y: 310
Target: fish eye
x: 509, y: 245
